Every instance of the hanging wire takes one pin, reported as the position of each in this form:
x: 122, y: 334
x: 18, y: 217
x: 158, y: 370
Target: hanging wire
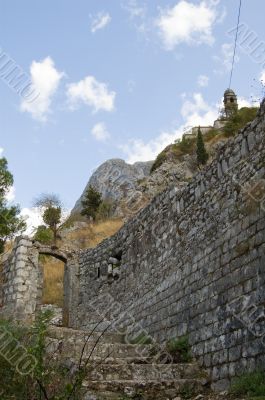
x: 234, y: 55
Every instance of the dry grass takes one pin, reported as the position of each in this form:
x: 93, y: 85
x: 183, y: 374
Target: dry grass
x: 216, y: 139
x: 91, y: 235
x: 53, y: 269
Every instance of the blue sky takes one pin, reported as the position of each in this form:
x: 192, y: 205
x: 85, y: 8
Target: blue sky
x: 119, y: 78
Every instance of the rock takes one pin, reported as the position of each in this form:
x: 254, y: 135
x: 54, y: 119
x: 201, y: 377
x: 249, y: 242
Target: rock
x: 57, y: 318
x: 113, y: 261
x: 89, y: 396
x: 129, y: 391
x: 115, y: 180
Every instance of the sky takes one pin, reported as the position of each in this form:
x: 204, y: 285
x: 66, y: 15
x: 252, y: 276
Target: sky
x: 114, y: 79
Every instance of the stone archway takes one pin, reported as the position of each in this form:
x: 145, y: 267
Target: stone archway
x: 22, y: 279
x: 51, y: 272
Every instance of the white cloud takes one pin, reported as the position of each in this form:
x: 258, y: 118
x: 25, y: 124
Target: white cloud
x: 138, y: 150
x: 1, y: 151
x: 225, y: 58
x: 203, y: 80
x: 243, y: 102
x: 33, y: 219
x: 45, y: 80
x: 134, y: 9
x: 100, y: 21
x: 195, y: 111
x: 187, y: 23
x: 137, y: 11
x: 91, y: 92
x: 10, y: 195
x: 100, y: 132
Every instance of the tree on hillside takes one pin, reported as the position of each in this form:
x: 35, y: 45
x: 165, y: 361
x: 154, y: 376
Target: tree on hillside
x: 91, y: 203
x: 10, y: 221
x: 202, y: 155
x: 51, y: 210
x: 105, y: 209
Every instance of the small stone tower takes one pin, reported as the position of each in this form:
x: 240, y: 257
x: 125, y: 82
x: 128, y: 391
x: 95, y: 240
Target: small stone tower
x: 230, y: 103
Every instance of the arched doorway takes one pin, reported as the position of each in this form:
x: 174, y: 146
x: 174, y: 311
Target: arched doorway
x: 51, y: 281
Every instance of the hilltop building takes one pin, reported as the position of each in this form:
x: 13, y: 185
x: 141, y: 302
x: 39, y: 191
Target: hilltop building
x: 230, y: 107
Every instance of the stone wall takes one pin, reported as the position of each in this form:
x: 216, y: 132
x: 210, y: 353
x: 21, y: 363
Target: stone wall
x: 192, y: 262
x: 22, y: 279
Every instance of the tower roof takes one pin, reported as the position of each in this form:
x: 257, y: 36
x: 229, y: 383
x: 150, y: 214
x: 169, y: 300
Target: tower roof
x: 229, y: 92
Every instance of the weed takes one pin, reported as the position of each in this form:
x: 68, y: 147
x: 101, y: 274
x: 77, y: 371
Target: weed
x: 187, y: 391
x: 250, y: 384
x: 179, y: 349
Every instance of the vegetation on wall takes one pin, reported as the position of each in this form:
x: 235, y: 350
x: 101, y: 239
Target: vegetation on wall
x: 239, y: 119
x: 179, y: 349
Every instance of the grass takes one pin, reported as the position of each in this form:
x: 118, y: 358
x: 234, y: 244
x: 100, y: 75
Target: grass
x: 187, y: 391
x: 251, y: 385
x: 53, y: 273
x: 93, y: 234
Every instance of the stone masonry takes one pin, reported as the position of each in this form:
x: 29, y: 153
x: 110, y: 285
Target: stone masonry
x: 190, y: 263
x: 22, y: 279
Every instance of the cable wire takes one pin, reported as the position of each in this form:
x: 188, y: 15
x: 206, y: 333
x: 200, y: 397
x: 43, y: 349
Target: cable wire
x: 235, y: 47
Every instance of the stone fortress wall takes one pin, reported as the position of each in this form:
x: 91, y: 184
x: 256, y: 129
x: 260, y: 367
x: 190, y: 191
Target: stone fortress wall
x: 190, y: 263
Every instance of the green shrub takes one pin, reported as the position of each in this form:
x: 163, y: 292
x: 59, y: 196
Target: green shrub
x: 186, y: 145
x: 179, y: 349
x: 44, y: 235
x: 47, y: 379
x: 160, y: 159
x: 171, y: 153
x: 239, y: 119
x: 250, y: 384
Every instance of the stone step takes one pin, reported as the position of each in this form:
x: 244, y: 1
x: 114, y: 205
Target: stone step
x: 122, y: 361
x: 153, y: 390
x: 79, y: 336
x: 73, y: 349
x: 142, y: 372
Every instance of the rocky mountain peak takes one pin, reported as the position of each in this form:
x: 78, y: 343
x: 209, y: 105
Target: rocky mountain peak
x: 115, y: 179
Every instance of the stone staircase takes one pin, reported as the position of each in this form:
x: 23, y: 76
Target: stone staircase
x: 117, y: 370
